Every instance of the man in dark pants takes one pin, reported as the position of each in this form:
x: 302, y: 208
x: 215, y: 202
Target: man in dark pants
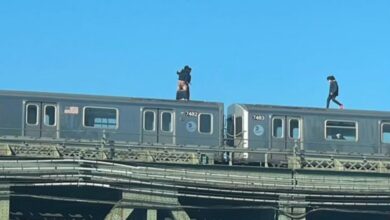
x: 333, y: 92
x: 184, y: 83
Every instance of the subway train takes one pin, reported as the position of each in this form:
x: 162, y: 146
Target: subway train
x: 194, y: 124
x: 312, y: 130
x: 87, y: 117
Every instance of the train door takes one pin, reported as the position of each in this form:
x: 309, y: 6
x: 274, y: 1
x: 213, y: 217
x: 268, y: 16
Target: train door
x: 158, y: 126
x: 385, y: 138
x: 286, y: 132
x: 294, y: 132
x: 41, y: 119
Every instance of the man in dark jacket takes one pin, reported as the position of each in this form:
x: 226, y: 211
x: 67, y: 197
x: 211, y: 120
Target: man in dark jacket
x: 333, y: 92
x: 184, y: 82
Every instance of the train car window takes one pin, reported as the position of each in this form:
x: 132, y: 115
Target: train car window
x: 238, y: 125
x: 386, y: 133
x: 205, y: 125
x: 166, y: 121
x: 50, y: 115
x: 149, y: 121
x: 100, y: 117
x: 277, y: 128
x: 32, y: 114
x: 294, y: 131
x: 341, y: 130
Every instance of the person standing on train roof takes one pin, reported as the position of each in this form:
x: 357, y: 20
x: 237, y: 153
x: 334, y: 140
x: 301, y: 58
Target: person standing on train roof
x: 333, y: 92
x: 184, y: 83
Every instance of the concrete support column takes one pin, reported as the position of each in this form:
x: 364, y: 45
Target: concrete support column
x: 151, y: 214
x: 293, y: 211
x: 4, y: 202
x: 119, y: 214
x: 180, y: 215
x: 146, y: 200
x: 287, y: 209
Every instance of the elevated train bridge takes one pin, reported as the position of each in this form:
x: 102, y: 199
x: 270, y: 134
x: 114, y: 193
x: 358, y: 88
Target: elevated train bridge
x: 164, y: 182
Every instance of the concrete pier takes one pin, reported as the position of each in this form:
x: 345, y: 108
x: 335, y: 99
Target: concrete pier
x: 123, y: 209
x: 4, y: 202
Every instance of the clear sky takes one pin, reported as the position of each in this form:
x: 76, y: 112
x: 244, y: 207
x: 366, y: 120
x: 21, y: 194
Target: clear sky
x: 268, y: 52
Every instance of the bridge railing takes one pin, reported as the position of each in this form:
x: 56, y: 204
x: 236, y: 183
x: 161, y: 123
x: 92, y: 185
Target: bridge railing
x: 295, y: 158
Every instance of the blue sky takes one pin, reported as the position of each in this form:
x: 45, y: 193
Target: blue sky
x: 267, y: 52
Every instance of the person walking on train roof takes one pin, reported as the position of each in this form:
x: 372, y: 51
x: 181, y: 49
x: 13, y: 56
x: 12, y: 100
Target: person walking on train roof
x: 333, y: 92
x: 183, y: 87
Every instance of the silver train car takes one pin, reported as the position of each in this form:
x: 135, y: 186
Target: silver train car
x: 313, y: 130
x: 277, y: 130
x: 87, y: 117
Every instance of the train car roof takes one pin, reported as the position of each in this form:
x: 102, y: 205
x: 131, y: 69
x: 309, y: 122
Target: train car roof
x: 103, y: 98
x: 313, y: 110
